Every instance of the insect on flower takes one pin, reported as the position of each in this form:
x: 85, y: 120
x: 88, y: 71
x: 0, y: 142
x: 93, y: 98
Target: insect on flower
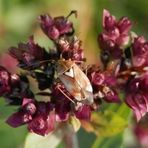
x: 75, y: 81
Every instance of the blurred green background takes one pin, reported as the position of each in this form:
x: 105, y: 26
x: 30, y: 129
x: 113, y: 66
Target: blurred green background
x: 18, y: 20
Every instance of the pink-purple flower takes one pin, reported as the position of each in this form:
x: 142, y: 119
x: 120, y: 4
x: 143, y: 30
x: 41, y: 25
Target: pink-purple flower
x: 55, y: 27
x: 71, y: 49
x: 5, y: 81
x: 104, y: 85
x: 141, y: 131
x: 35, y: 114
x: 29, y: 54
x: 115, y: 36
x: 140, y: 52
x: 137, y: 95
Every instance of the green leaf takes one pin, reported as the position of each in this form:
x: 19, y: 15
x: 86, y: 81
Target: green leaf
x: 5, y: 109
x: 108, y: 123
x: 11, y: 137
x: 109, y: 126
x: 52, y: 140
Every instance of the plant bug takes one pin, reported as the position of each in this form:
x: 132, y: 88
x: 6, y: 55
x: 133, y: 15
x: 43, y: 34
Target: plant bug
x: 75, y: 81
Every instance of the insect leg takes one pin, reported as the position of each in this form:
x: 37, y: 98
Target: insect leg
x: 66, y: 95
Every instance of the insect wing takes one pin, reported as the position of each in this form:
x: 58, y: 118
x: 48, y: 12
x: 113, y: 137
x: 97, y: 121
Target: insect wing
x: 75, y: 81
x: 71, y: 85
x: 83, y: 81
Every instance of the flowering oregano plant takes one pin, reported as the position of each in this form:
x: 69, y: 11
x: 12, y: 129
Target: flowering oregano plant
x: 123, y: 71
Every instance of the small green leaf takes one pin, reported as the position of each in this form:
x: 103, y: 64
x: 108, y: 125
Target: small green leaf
x: 11, y: 137
x: 108, y: 126
x: 108, y: 123
x: 52, y: 140
x: 5, y: 109
x: 76, y: 124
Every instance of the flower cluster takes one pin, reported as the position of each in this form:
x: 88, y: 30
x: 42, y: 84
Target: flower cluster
x: 58, y: 104
x: 115, y: 36
x: 124, y: 54
x: 66, y: 89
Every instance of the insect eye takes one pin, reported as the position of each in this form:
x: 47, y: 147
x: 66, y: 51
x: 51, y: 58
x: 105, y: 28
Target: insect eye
x: 69, y: 73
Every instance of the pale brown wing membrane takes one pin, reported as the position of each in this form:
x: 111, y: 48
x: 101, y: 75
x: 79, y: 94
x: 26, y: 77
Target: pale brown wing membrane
x: 84, y: 83
x: 72, y: 86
